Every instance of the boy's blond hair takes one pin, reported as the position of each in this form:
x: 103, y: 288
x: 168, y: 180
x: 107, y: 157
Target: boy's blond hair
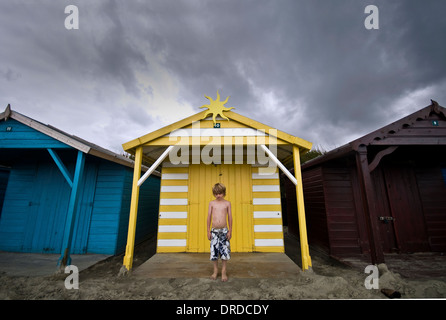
x: 219, y: 188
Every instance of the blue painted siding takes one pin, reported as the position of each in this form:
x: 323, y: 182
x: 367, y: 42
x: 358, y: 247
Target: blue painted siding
x: 85, y: 207
x: 35, y: 208
x: 16, y: 207
x: 14, y: 134
x: 47, y: 212
x: 109, y: 224
x: 148, y: 209
x: 106, y: 209
x: 36, y: 198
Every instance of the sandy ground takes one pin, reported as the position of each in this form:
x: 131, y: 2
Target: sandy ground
x: 328, y: 279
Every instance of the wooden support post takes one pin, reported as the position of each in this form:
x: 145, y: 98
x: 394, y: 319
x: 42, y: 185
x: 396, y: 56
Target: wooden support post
x: 65, y: 258
x: 128, y: 258
x: 305, y: 252
x: 368, y: 191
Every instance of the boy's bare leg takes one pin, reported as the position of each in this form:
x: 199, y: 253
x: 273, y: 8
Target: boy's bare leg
x: 224, y: 277
x: 214, y: 275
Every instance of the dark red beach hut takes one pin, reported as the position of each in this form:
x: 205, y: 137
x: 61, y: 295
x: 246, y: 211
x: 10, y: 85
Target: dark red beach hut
x: 382, y: 193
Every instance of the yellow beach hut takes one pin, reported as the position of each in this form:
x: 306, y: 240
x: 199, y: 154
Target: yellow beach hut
x: 201, y: 150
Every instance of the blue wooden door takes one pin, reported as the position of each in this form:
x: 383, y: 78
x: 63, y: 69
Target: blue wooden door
x: 47, y: 210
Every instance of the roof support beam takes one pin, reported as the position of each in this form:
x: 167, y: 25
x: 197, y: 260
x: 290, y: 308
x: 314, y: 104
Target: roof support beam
x: 279, y: 164
x: 61, y: 167
x: 154, y: 166
x: 380, y: 155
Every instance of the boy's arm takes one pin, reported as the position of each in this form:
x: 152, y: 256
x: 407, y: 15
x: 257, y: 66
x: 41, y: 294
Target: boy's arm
x: 229, y: 235
x: 209, y: 221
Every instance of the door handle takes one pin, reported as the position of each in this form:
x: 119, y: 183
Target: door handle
x: 386, y: 219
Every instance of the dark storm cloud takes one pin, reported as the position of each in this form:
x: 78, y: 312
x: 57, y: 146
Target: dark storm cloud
x: 316, y: 57
x: 309, y: 68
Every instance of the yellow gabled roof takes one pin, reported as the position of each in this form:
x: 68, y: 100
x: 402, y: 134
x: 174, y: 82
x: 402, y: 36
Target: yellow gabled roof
x: 146, y: 140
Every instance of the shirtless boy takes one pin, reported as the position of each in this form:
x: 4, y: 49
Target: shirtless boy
x: 221, y: 232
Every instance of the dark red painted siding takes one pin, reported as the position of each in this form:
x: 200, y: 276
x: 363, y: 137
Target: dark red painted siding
x: 314, y: 208
x: 432, y: 190
x: 341, y: 211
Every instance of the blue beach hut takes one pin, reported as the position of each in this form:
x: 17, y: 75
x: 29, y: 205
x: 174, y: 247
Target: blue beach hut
x: 62, y: 194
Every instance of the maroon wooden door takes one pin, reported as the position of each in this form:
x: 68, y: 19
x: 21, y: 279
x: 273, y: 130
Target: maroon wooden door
x: 386, y: 227
x: 406, y: 209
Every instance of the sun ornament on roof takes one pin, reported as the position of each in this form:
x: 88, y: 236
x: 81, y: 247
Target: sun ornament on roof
x: 216, y: 108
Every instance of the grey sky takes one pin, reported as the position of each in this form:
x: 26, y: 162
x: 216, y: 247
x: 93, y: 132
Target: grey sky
x: 309, y: 68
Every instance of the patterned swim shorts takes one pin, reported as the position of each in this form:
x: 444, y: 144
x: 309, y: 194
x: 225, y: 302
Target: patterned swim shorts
x: 220, y: 247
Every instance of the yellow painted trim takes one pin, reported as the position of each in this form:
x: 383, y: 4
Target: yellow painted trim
x: 269, y: 249
x: 267, y: 207
x: 268, y: 235
x: 175, y: 170
x: 169, y: 208
x: 281, y: 135
x: 213, y: 141
x: 172, y: 222
x: 170, y: 249
x: 266, y: 194
x: 174, y: 182
x: 224, y: 124
x: 263, y: 182
x: 173, y: 195
x: 257, y: 169
x: 160, y: 132
x: 172, y: 235
x: 267, y: 221
x: 146, y: 139
x: 128, y: 258
x: 305, y: 253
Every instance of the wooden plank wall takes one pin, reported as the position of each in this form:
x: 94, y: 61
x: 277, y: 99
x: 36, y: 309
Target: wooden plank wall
x: 37, y: 197
x: 14, y: 134
x: 106, y: 209
x: 111, y: 207
x: 16, y: 207
x: 341, y: 211
x: 432, y: 189
x: 314, y: 208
